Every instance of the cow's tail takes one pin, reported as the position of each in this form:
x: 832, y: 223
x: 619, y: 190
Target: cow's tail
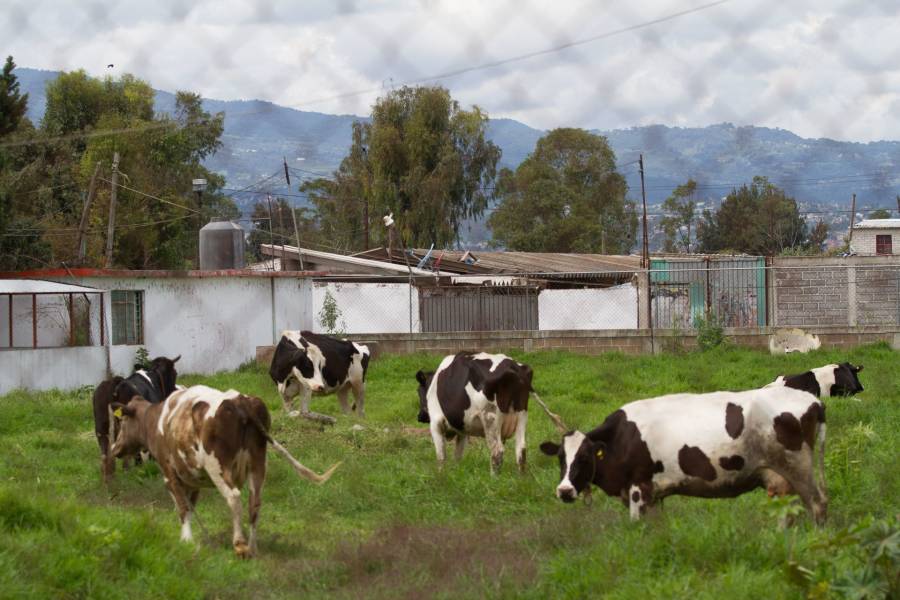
x: 820, y: 454
x: 557, y: 420
x: 301, y: 469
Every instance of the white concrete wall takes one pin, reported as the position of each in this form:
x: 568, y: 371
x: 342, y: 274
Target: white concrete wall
x: 49, y: 368
x: 368, y: 307
x: 293, y: 304
x: 864, y: 240
x: 215, y: 323
x: 593, y: 308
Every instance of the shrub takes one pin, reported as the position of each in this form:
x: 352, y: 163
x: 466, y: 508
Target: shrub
x: 709, y: 333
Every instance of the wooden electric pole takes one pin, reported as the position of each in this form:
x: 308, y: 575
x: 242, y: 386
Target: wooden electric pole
x: 85, y: 213
x: 852, y: 220
x: 645, y: 254
x: 111, y: 226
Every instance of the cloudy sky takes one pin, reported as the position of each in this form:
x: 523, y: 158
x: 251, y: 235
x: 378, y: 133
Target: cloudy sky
x: 821, y: 68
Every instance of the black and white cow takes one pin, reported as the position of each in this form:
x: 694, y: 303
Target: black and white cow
x: 482, y: 395
x: 154, y: 383
x: 715, y: 445
x: 306, y: 363
x: 825, y: 382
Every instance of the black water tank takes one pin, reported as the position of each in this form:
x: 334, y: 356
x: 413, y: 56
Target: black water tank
x: 221, y: 245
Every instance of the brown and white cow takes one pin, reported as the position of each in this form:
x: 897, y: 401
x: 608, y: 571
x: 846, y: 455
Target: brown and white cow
x: 203, y: 437
x: 482, y: 395
x: 715, y: 445
x: 825, y: 382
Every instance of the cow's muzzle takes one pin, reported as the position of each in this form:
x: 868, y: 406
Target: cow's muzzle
x: 566, y: 493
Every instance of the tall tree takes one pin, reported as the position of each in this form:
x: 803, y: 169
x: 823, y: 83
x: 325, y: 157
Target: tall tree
x: 676, y: 225
x: 755, y: 219
x: 44, y: 181
x: 422, y: 158
x: 12, y: 104
x: 565, y: 197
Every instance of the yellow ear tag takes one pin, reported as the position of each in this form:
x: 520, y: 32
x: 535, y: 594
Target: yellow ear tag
x: 118, y: 413
x: 600, y: 454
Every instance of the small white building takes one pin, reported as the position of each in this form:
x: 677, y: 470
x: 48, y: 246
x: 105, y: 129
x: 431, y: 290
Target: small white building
x: 876, y: 237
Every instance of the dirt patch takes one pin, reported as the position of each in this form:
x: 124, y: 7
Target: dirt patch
x: 420, y: 561
x: 410, y: 561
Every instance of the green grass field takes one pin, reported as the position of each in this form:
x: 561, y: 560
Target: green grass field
x: 389, y: 524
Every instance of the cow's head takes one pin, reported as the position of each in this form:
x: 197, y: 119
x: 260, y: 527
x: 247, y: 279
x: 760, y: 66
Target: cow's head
x: 424, y: 380
x: 130, y: 440
x: 306, y: 365
x: 846, y: 380
x: 165, y: 368
x: 577, y: 463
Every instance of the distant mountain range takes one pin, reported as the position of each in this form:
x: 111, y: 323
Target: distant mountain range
x: 818, y: 172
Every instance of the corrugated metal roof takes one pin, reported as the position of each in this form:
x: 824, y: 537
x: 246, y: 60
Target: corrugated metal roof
x: 40, y: 286
x: 549, y: 262
x: 878, y: 224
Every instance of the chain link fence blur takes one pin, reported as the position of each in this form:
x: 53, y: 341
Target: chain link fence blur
x: 816, y: 69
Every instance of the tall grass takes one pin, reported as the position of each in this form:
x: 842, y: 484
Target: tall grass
x: 389, y: 524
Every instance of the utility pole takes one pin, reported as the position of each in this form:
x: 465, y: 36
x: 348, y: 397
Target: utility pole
x: 645, y: 254
x: 111, y: 226
x: 82, y: 226
x: 271, y: 235
x: 852, y: 220
x: 297, y: 235
x: 646, y: 259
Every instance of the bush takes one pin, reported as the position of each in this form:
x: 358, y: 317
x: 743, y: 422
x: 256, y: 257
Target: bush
x: 709, y: 333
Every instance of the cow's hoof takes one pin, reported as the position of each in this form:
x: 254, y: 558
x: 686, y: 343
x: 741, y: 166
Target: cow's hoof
x: 242, y: 550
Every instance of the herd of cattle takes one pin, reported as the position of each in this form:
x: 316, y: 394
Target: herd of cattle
x: 718, y: 444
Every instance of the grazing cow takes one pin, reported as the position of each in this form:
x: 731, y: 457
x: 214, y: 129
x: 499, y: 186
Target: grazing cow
x: 484, y: 395
x: 154, y: 383
x: 713, y: 445
x: 306, y: 363
x: 825, y: 382
x: 202, y: 437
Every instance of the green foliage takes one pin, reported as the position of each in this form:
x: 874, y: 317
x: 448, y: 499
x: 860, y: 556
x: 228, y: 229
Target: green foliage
x: 881, y: 213
x: 65, y: 535
x: 710, y: 333
x: 330, y: 316
x: 142, y: 358
x: 43, y: 185
x: 676, y: 225
x: 12, y: 104
x: 859, y: 562
x: 755, y: 219
x: 565, y: 197
x: 422, y: 158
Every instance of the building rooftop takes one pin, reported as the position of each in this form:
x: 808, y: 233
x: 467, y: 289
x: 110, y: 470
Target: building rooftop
x: 878, y: 224
x: 40, y: 286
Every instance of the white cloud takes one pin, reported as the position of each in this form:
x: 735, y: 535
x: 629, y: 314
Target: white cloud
x: 819, y: 68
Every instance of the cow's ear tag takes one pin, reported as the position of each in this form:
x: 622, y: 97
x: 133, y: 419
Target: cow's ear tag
x: 600, y: 454
x: 118, y: 413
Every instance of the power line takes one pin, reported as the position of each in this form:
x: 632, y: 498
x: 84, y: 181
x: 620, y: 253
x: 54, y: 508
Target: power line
x: 520, y: 57
x: 131, y: 189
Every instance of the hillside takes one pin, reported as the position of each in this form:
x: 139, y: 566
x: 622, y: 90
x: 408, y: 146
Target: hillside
x: 258, y: 134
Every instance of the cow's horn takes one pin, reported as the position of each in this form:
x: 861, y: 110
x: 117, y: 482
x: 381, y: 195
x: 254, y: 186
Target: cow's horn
x: 176, y: 359
x: 557, y: 420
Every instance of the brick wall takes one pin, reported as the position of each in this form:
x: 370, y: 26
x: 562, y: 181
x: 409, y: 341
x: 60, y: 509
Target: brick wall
x: 822, y: 291
x: 816, y: 295
x: 864, y: 240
